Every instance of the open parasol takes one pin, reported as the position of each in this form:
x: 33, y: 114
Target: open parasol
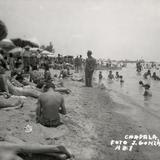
x: 6, y: 44
x: 16, y: 51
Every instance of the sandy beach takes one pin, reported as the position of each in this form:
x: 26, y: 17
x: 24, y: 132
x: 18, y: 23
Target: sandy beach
x: 91, y: 123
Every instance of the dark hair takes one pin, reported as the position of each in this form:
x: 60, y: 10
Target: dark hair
x: 11, y: 55
x: 147, y: 86
x: 47, y: 86
x: 34, y: 67
x: 140, y: 82
x: 2, y: 52
x: 89, y: 53
x: 46, y: 67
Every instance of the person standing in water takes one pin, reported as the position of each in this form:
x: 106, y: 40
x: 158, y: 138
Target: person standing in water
x: 89, y: 69
x: 110, y: 76
x: 121, y: 79
x: 117, y: 75
x: 100, y: 77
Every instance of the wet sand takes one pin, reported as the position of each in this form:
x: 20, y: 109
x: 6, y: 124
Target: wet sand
x: 92, y: 121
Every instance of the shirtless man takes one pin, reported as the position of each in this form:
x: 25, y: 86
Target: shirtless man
x: 110, y: 75
x: 50, y: 104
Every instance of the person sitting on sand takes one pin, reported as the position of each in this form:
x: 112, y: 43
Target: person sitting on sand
x: 110, y: 76
x: 3, y: 77
x: 37, y: 77
x: 155, y: 77
x: 63, y: 73
x: 47, y: 74
x: 117, y: 75
x: 50, y: 104
x: 100, y: 76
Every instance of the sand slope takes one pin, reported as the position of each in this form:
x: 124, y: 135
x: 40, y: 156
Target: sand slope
x: 88, y: 127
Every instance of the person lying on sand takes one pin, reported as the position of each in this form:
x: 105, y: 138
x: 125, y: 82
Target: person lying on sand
x: 8, y: 155
x: 23, y: 91
x: 10, y: 103
x: 50, y: 104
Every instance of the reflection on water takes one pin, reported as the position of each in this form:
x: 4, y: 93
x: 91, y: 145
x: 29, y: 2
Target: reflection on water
x: 130, y: 92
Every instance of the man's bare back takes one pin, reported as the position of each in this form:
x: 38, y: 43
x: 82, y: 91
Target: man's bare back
x: 50, y: 104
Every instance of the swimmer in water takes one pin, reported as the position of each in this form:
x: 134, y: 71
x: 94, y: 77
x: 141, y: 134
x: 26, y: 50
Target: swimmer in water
x: 121, y: 79
x: 147, y: 91
x: 110, y: 76
x: 155, y: 77
x: 146, y: 74
x: 141, y: 83
x: 117, y: 75
x: 146, y: 87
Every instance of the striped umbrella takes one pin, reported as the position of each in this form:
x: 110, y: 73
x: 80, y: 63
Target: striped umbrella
x: 7, y: 44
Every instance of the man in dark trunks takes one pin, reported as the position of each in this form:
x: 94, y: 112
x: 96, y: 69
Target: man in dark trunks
x: 50, y: 104
x: 89, y: 69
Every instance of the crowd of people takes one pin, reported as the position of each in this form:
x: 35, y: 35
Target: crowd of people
x: 29, y: 75
x: 111, y: 76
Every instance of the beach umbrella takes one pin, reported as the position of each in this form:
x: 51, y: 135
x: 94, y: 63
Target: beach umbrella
x: 16, y: 51
x: 35, y: 49
x: 6, y: 44
x: 45, y: 52
x: 22, y: 43
x: 51, y: 55
x: 3, y: 30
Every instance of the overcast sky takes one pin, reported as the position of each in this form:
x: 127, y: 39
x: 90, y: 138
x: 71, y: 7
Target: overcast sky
x: 115, y: 29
